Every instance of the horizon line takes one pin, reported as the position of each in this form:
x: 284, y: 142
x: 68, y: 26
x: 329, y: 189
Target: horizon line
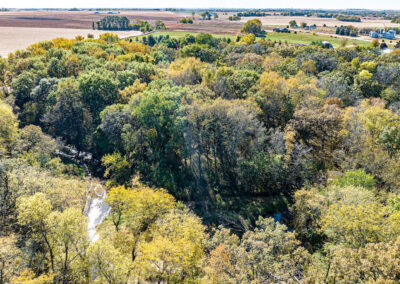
x: 194, y: 8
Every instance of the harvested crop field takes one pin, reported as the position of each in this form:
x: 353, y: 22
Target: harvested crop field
x: 84, y: 19
x: 78, y: 20
x: 18, y: 29
x: 13, y: 38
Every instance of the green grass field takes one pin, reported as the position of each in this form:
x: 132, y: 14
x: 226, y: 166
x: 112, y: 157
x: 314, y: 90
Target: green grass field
x: 299, y: 38
x: 306, y: 38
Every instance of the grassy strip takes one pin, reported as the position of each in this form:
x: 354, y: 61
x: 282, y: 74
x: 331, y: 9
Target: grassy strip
x: 299, y: 38
x: 306, y: 38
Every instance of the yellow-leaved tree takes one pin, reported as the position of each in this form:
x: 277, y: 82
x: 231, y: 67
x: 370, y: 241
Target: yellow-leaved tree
x: 153, y: 238
x: 62, y: 236
x: 8, y: 128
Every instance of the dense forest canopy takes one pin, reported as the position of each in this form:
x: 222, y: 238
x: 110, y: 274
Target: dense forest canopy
x: 252, y: 13
x: 122, y: 23
x: 224, y: 162
x: 347, y: 30
x: 348, y: 18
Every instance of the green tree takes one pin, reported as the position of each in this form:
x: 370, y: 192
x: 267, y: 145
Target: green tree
x: 33, y: 212
x: 112, y: 265
x: 252, y: 26
x: 22, y: 86
x: 154, y: 143
x: 67, y: 117
x: 36, y: 107
x: 216, y: 143
x: 356, y: 178
x: 98, y: 89
x: 117, y: 169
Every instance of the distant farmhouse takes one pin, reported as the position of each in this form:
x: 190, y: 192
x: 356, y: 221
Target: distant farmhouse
x: 391, y: 34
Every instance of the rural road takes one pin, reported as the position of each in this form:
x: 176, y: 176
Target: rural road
x: 13, y: 38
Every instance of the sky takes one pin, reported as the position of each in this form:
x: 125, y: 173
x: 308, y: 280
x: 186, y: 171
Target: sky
x: 314, y: 4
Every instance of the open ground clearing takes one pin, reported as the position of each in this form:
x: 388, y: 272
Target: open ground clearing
x: 12, y: 38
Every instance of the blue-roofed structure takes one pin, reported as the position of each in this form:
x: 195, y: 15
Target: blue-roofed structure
x: 391, y: 34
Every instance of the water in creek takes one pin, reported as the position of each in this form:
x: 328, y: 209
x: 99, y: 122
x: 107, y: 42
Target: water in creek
x: 97, y: 211
x: 96, y: 207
